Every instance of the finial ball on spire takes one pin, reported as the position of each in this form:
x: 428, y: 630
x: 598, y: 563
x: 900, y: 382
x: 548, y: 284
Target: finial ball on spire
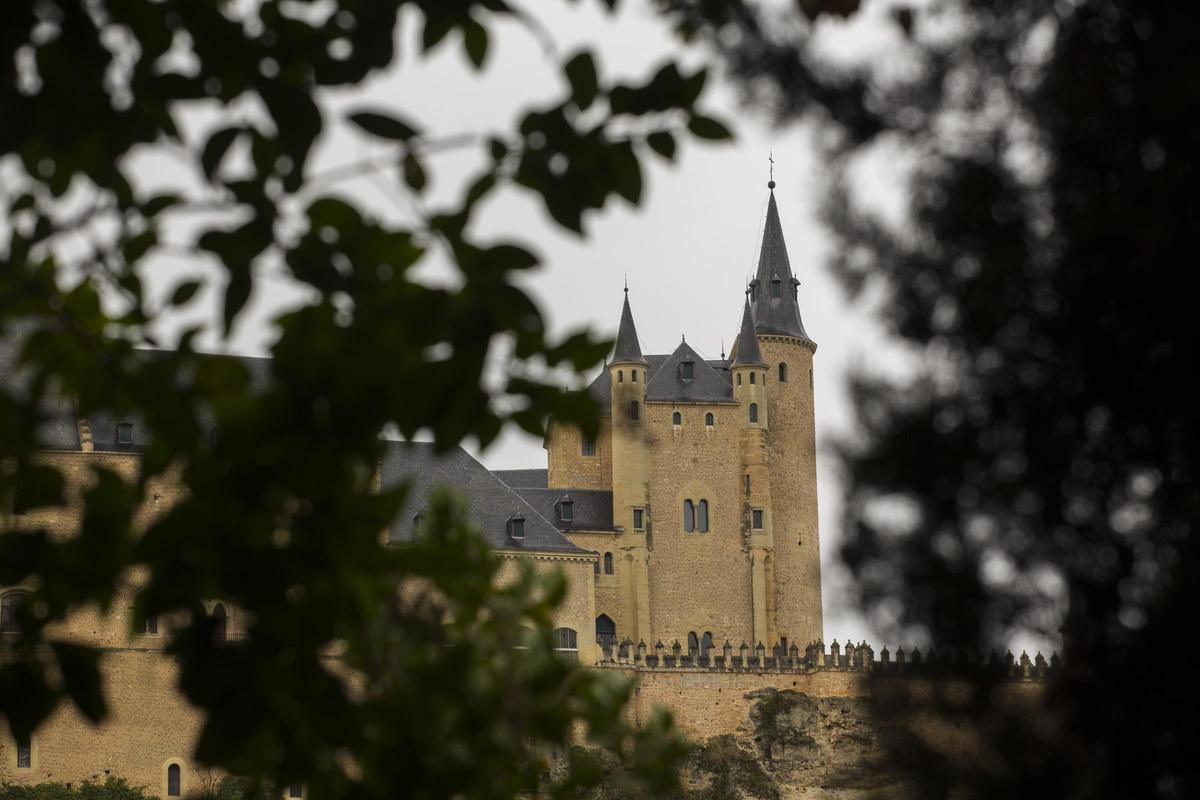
x: 770, y: 184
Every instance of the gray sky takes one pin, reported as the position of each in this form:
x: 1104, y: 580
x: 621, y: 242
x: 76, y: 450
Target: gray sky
x: 687, y: 250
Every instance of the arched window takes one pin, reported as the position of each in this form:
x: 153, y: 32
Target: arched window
x: 677, y: 418
x: 620, y: 376
x: 706, y: 644
x: 708, y: 419
x: 633, y: 375
x: 693, y: 643
x: 608, y: 564
x: 24, y: 754
x: 566, y: 642
x: 754, y: 412
x: 752, y: 377
x: 596, y: 566
x: 220, y: 624
x: 689, y: 516
x: 635, y: 411
x: 739, y: 379
x: 173, y: 780
x: 783, y: 373
x: 606, y: 631
x: 9, y: 603
x: 702, y: 516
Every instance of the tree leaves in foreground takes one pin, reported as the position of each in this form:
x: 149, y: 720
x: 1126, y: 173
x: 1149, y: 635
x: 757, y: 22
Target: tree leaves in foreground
x: 347, y: 680
x: 1041, y: 468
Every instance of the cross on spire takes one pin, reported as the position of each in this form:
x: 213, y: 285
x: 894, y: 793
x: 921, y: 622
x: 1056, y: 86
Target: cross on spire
x: 771, y: 159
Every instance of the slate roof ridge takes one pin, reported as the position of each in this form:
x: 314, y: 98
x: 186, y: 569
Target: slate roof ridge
x: 706, y: 384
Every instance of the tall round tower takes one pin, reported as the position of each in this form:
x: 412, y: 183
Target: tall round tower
x: 630, y: 472
x: 787, y: 351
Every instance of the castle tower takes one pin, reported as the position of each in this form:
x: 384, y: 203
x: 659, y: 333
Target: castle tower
x: 630, y: 473
x: 787, y: 351
x: 749, y: 372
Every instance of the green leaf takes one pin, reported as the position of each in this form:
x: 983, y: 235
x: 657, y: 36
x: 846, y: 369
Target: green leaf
x: 215, y: 149
x: 509, y: 257
x: 708, y: 128
x: 475, y: 42
x: 581, y: 73
x: 158, y: 204
x: 23, y: 202
x: 498, y: 149
x: 184, y: 292
x: 663, y: 143
x: 385, y: 126
x: 414, y: 172
x: 80, y: 668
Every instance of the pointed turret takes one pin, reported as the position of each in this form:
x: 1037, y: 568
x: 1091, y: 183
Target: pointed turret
x: 627, y: 348
x: 773, y: 290
x: 748, y: 351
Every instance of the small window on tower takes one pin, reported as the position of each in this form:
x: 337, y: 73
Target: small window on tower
x: 754, y: 412
x: 588, y: 446
x: 633, y: 375
x: 739, y: 379
x: 758, y: 519
x: 689, y: 516
x: 125, y: 433
x: 752, y: 377
x: 620, y: 376
x: 702, y: 516
x: 688, y: 370
x: 783, y: 373
x: 746, y: 480
x: 635, y: 411
x: 708, y: 419
x: 637, y: 519
x: 677, y: 419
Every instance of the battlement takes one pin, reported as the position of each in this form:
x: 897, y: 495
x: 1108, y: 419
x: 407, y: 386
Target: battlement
x: 837, y: 658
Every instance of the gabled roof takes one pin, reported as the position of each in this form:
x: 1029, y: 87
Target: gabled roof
x: 601, y: 386
x: 707, y: 384
x: 524, y: 478
x: 490, y: 503
x: 747, y: 350
x: 775, y: 315
x: 591, y: 508
x: 627, y: 347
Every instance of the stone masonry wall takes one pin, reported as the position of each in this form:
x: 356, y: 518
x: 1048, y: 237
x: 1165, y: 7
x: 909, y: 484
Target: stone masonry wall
x: 568, y: 468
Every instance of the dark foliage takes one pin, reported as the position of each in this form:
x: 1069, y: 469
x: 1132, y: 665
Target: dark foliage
x: 111, y: 789
x: 1040, y: 469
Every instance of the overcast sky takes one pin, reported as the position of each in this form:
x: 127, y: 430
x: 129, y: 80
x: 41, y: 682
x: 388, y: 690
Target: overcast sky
x: 687, y: 250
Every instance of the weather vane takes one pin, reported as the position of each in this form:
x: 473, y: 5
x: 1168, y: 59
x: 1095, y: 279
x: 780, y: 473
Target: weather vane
x: 771, y: 159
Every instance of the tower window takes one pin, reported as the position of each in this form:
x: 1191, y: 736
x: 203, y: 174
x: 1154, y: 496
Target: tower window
x: 566, y: 510
x: 516, y: 527
x: 689, y: 516
x: 608, y: 564
x: 620, y: 376
x: 151, y: 624
x: 810, y: 379
x: 751, y: 378
x: 677, y: 419
x: 635, y: 411
x: 587, y: 446
x: 596, y: 567
x: 24, y: 754
x: 633, y: 375
x: 706, y: 644
x: 688, y: 370
x: 638, y: 523
x: 708, y: 419
x: 746, y: 480
x: 10, y: 602
x: 754, y: 412
x: 173, y: 781
x: 125, y: 433
x: 693, y: 643
x: 758, y: 519
x: 783, y: 373
x: 702, y: 516
x: 739, y: 379
x: 776, y: 288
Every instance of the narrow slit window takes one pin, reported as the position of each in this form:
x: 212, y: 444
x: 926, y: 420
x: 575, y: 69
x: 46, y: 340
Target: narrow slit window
x: 635, y: 411
x: 608, y: 564
x: 24, y: 754
x: 633, y: 375
x: 746, y: 480
x: 754, y: 412
x: 708, y: 419
x: 752, y: 374
x: 677, y: 418
x: 620, y: 376
x: 758, y: 519
x: 702, y: 516
x: 173, y: 780
x: 689, y: 516
x: 783, y: 373
x: 693, y: 643
x: 739, y: 379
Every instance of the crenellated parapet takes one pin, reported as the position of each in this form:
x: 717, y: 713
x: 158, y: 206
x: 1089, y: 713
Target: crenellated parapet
x: 817, y: 657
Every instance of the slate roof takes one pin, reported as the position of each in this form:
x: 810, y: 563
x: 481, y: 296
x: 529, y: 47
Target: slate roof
x: 57, y: 428
x: 592, y: 508
x: 775, y: 315
x: 524, y: 478
x: 490, y: 502
x: 601, y: 386
x: 706, y: 386
x: 627, y: 347
x: 747, y: 349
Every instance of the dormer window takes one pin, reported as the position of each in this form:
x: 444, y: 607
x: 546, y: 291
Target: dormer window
x: 566, y: 509
x: 516, y: 528
x: 125, y: 433
x: 776, y: 288
x: 688, y: 370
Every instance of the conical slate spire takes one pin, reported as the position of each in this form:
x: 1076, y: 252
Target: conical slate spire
x: 773, y: 290
x: 747, y: 343
x: 627, y: 347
